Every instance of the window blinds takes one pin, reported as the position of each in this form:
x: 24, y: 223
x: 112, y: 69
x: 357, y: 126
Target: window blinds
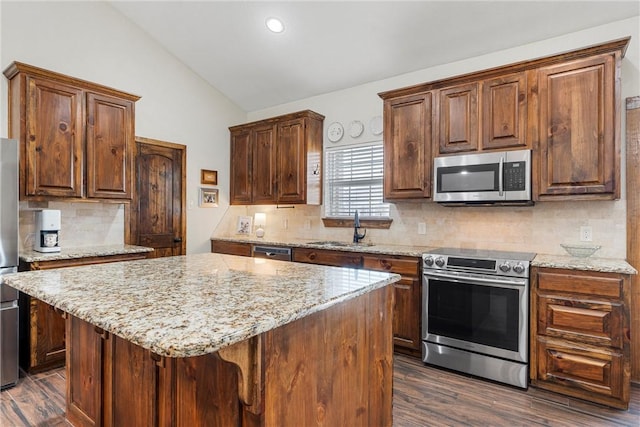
x: 353, y: 180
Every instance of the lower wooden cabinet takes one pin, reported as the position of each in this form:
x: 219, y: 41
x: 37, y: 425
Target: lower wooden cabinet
x: 580, y: 338
x: 230, y: 248
x: 42, y: 329
x: 408, y: 291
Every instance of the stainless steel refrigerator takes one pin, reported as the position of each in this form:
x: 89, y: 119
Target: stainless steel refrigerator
x: 8, y: 261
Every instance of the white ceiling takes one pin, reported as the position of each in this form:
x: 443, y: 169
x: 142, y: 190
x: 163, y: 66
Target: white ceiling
x: 332, y: 45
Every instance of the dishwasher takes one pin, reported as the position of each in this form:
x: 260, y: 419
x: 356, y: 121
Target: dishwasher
x: 271, y: 252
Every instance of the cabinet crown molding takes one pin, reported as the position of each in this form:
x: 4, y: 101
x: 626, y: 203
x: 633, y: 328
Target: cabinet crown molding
x: 618, y: 45
x: 20, y: 67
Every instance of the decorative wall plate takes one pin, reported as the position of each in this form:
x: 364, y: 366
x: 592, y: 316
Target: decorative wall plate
x: 335, y: 132
x: 375, y: 125
x: 356, y: 128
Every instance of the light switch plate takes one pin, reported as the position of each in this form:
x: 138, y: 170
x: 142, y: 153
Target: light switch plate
x: 422, y: 228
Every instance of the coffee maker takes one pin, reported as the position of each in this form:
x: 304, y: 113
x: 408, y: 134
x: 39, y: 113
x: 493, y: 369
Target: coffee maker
x: 47, y: 237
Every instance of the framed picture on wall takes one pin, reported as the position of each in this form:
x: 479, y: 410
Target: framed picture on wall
x: 244, y: 225
x: 208, y: 177
x: 208, y: 197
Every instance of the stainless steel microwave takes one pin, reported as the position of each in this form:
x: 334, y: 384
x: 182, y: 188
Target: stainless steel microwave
x: 495, y: 177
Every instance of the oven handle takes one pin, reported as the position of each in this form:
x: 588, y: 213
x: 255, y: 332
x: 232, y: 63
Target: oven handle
x: 514, y: 283
x: 501, y: 176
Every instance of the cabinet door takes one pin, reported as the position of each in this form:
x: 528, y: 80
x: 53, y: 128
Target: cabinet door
x: 458, y: 118
x: 579, y: 148
x: 504, y: 112
x: 264, y: 165
x: 407, y: 314
x: 84, y: 373
x: 230, y: 248
x: 241, y: 167
x: 48, y: 339
x: 54, y: 151
x: 407, y: 147
x: 109, y: 147
x: 291, y: 162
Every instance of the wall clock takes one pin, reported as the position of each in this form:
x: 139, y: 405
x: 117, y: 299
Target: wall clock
x: 335, y: 132
x: 356, y: 128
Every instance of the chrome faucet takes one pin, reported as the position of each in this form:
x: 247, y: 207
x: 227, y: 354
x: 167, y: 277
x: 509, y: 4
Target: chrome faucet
x: 356, y: 225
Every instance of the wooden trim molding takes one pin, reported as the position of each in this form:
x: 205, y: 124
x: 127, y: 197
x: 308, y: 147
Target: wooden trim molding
x: 633, y: 226
x: 382, y: 224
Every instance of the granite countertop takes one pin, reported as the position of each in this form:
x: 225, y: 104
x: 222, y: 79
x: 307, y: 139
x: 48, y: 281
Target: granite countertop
x: 414, y: 251
x: 191, y: 305
x: 82, y: 252
x: 605, y: 265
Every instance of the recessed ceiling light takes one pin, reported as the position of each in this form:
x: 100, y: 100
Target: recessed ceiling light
x: 275, y: 25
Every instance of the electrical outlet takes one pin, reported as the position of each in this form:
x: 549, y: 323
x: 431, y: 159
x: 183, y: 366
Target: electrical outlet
x: 586, y: 233
x: 285, y: 223
x: 422, y: 228
x: 307, y: 224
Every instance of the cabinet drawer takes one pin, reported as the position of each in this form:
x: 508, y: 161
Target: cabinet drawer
x: 607, y: 285
x: 584, y: 371
x: 403, y: 266
x: 594, y: 322
x: 327, y: 257
x: 231, y: 248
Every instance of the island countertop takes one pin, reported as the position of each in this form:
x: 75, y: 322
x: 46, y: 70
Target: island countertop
x: 192, y: 305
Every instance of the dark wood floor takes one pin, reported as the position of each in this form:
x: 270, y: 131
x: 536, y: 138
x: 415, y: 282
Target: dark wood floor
x: 423, y: 396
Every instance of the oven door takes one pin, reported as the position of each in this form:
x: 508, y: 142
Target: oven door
x: 478, y: 313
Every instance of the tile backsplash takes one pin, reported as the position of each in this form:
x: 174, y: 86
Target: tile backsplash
x: 540, y: 228
x: 83, y: 224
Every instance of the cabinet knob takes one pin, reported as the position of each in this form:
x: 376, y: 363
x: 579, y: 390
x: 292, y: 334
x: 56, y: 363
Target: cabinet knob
x: 177, y: 239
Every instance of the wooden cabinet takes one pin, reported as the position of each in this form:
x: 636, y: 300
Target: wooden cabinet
x: 277, y: 160
x: 76, y: 137
x: 407, y: 314
x: 407, y: 147
x: 231, y: 248
x: 327, y: 257
x: 457, y: 118
x: 580, y: 338
x: 488, y: 114
x: 408, y: 291
x: 579, y: 128
x: 565, y: 108
x: 42, y: 328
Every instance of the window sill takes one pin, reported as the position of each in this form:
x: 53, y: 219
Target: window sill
x: 382, y: 223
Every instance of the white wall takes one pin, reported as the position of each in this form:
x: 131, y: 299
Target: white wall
x: 92, y: 41
x: 540, y: 228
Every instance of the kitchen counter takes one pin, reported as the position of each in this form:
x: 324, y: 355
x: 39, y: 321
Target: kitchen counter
x: 196, y: 304
x: 82, y: 252
x: 415, y: 251
x: 604, y: 265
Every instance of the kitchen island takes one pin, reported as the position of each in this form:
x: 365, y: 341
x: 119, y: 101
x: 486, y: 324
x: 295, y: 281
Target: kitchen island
x: 214, y: 339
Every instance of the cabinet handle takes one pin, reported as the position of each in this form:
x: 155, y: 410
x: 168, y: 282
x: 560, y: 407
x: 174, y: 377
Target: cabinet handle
x: 177, y: 239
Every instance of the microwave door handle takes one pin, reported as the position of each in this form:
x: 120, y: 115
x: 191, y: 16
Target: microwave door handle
x: 501, y: 177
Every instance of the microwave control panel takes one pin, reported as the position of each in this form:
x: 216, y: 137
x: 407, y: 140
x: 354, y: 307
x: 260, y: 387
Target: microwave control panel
x: 514, y: 176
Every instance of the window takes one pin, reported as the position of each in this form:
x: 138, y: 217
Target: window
x: 353, y: 180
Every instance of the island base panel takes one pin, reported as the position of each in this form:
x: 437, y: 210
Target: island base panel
x: 333, y: 367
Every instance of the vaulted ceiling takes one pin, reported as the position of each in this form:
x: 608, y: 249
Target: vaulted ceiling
x: 332, y: 45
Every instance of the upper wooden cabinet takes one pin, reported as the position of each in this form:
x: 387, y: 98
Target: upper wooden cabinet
x: 277, y: 160
x: 457, y: 118
x: 76, y: 137
x: 564, y: 107
x: 579, y: 128
x: 407, y: 147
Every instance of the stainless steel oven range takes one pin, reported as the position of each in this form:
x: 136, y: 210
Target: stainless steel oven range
x: 476, y: 313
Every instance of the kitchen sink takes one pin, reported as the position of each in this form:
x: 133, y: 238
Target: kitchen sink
x: 341, y: 244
